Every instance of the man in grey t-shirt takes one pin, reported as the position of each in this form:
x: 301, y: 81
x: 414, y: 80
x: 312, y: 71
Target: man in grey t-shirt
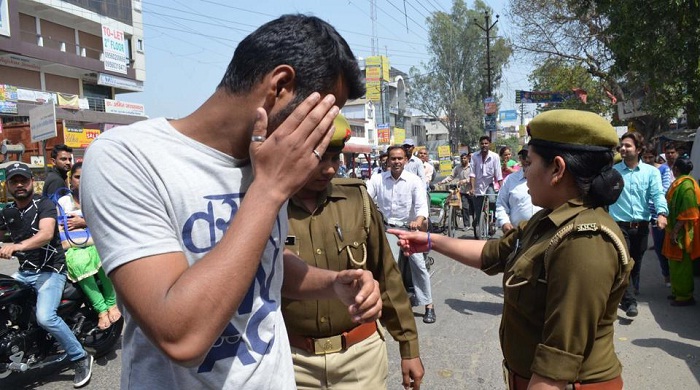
x: 191, y: 225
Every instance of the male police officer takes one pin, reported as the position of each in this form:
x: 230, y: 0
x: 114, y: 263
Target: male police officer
x: 334, y: 225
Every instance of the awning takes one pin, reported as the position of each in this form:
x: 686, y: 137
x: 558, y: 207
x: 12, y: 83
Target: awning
x: 683, y: 135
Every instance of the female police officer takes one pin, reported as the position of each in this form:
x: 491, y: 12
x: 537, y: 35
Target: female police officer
x: 565, y: 270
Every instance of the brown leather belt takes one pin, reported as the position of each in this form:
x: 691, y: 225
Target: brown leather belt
x: 633, y: 225
x: 341, y: 342
x: 517, y: 382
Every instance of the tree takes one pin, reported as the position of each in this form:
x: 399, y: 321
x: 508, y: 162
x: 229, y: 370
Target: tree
x: 648, y: 50
x: 558, y: 75
x: 570, y: 31
x: 656, y: 48
x: 454, y: 85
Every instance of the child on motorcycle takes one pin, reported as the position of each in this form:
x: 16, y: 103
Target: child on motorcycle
x: 82, y: 259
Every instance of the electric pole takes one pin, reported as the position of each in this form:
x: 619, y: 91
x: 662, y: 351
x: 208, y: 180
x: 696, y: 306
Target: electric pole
x: 489, y: 102
x: 487, y: 30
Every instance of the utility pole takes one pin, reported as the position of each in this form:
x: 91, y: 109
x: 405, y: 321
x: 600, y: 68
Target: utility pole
x: 487, y: 30
x: 373, y: 17
x: 490, y: 117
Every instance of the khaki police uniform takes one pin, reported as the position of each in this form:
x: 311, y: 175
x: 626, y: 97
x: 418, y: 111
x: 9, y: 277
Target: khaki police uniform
x: 333, y: 237
x: 560, y: 308
x: 565, y: 270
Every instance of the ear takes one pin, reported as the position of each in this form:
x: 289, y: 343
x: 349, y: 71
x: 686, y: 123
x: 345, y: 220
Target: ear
x: 280, y: 83
x: 558, y: 167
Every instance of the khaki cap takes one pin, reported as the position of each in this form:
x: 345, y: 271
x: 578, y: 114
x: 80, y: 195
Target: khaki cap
x: 573, y: 130
x: 341, y: 135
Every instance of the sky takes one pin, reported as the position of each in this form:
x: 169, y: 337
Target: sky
x: 189, y: 43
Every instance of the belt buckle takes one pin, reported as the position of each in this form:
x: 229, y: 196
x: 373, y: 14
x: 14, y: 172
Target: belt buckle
x: 328, y: 345
x: 634, y: 225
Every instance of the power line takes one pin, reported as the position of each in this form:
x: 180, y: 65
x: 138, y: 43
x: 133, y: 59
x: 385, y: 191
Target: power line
x: 406, y: 15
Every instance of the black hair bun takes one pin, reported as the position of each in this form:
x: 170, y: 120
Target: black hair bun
x: 606, y: 187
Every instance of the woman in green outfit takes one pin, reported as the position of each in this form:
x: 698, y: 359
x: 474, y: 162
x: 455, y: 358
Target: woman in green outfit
x: 82, y: 260
x: 681, y: 243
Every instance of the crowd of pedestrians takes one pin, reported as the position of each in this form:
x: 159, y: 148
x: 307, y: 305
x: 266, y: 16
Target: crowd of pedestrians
x: 315, y: 279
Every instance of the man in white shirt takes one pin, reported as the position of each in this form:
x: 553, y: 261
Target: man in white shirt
x: 428, y: 168
x: 413, y: 164
x: 401, y: 197
x: 486, y: 169
x: 514, y: 204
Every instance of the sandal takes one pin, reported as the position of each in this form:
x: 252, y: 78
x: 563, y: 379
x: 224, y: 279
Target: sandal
x: 114, y: 314
x: 103, y: 321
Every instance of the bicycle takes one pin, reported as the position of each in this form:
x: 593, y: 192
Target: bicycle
x: 445, y: 209
x: 486, y: 227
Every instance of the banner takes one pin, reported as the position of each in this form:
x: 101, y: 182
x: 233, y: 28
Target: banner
x: 124, y: 108
x: 66, y: 100
x: 630, y: 109
x: 373, y: 83
x: 4, y: 18
x: 114, y: 54
x: 445, y: 157
x: 541, y: 97
x: 8, y: 93
x: 383, y: 136
x: 507, y: 115
x: 29, y: 95
x: 75, y: 136
x: 381, y: 62
x: 8, y: 107
x: 399, y: 136
x: 42, y: 122
x: 490, y: 106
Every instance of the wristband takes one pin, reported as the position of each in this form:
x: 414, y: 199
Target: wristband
x: 430, y: 243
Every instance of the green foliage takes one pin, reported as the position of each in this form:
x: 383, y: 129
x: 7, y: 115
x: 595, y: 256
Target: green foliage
x: 656, y: 49
x: 454, y: 85
x: 635, y: 49
x: 561, y: 76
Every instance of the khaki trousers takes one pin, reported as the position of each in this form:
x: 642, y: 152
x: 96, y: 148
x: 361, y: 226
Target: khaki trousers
x: 362, y: 366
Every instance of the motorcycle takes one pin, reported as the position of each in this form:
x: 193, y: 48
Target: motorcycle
x: 25, y: 346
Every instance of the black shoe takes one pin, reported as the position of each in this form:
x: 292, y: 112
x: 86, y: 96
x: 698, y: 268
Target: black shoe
x: 83, y: 371
x: 632, y: 310
x: 429, y: 316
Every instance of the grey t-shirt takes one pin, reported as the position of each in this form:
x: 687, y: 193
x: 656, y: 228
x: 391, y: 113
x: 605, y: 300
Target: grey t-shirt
x: 147, y: 189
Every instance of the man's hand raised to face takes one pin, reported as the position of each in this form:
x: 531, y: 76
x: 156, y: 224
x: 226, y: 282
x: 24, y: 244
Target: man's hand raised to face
x: 286, y: 159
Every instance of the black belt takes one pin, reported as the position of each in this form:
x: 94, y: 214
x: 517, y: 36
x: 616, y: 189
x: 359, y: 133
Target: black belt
x: 633, y: 225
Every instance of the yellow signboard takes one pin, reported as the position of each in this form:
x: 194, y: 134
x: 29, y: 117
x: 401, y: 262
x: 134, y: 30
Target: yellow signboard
x: 445, y: 157
x: 444, y: 151
x: 445, y: 167
x: 381, y: 62
x: 374, y: 91
x: 78, y: 137
x: 399, y: 136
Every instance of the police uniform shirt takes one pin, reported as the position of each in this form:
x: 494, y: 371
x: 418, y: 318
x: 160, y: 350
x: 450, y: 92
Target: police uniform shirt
x: 558, y: 318
x: 325, y: 239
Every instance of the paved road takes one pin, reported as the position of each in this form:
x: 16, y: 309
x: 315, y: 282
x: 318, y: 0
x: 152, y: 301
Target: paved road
x: 660, y: 349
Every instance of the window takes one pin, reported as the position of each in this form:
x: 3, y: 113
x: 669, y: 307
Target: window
x: 139, y: 45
